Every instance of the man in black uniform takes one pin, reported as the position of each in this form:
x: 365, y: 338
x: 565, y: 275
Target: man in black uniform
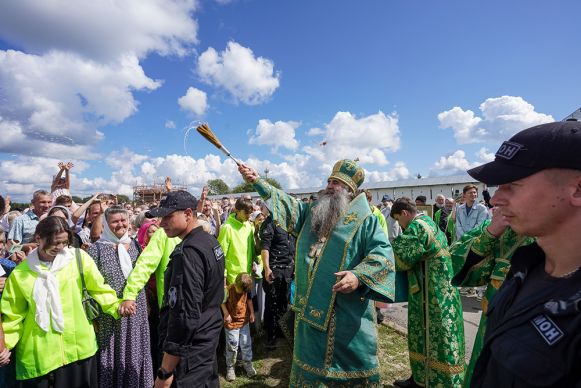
x: 533, y: 336
x: 190, y: 318
x: 278, y: 252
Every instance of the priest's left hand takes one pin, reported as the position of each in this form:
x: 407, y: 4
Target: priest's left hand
x: 347, y: 284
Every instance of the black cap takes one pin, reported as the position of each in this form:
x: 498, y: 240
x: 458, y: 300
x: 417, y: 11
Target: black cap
x: 386, y: 198
x: 553, y: 145
x: 172, y: 201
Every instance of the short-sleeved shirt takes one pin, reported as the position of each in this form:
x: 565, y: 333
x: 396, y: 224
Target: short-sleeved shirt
x: 236, y: 306
x: 23, y: 227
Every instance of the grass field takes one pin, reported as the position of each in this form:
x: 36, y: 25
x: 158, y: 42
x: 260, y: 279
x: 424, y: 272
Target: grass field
x: 273, y: 366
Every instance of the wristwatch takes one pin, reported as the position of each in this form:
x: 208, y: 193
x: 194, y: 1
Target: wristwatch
x: 162, y: 374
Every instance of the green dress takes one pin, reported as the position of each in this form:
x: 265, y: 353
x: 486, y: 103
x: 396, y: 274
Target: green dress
x: 490, y: 271
x: 335, y: 335
x: 435, y: 322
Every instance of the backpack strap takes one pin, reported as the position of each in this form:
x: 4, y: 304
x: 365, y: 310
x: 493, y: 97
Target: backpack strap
x: 80, y: 265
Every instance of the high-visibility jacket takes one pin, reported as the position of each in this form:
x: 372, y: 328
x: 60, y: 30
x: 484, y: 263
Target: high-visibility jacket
x: 154, y: 258
x: 237, y: 241
x: 39, y: 352
x: 377, y: 213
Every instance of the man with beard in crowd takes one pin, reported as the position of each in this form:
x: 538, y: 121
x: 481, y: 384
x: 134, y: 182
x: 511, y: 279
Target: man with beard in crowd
x: 439, y: 204
x: 343, y: 263
x: 441, y: 218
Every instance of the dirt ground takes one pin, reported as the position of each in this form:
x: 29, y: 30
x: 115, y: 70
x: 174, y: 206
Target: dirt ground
x: 273, y: 366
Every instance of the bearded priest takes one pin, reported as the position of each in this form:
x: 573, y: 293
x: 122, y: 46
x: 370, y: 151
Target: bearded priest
x: 343, y: 263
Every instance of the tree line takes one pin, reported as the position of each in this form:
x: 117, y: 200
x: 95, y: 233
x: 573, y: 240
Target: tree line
x: 219, y: 187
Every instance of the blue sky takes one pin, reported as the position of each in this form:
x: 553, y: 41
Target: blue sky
x: 406, y: 86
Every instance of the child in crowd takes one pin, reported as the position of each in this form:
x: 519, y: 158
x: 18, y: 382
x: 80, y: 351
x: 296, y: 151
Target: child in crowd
x: 238, y: 312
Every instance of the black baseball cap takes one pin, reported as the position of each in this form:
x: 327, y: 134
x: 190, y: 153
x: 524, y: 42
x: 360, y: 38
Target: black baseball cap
x: 172, y: 201
x: 386, y: 198
x: 552, y: 145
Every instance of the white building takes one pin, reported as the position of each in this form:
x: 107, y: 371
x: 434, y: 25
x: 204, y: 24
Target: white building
x: 449, y: 186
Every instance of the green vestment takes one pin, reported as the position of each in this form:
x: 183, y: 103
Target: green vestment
x: 496, y: 253
x: 335, y: 335
x: 435, y: 323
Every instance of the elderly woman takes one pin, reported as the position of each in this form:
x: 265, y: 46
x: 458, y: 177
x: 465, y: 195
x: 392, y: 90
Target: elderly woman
x: 42, y: 311
x: 124, y: 358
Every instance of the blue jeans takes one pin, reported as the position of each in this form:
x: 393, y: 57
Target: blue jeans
x: 238, y: 337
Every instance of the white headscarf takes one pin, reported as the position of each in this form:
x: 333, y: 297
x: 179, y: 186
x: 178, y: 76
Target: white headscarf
x: 46, y: 290
x: 108, y: 237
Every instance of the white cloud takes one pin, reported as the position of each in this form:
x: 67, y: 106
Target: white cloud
x: 80, y: 66
x: 170, y: 124
x: 101, y: 29
x: 399, y: 171
x: 484, y: 155
x: 366, y: 138
x: 464, y: 124
x: 14, y: 140
x: 279, y: 134
x: 125, y: 160
x: 59, y: 99
x: 315, y: 132
x: 455, y: 163
x: 501, y: 118
x: 23, y: 175
x: 247, y: 78
x: 195, y: 101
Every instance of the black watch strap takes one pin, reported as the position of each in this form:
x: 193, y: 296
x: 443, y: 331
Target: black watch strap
x: 162, y: 374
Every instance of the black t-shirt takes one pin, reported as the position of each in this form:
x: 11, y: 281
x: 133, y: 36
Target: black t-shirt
x: 537, y: 280
x: 279, y: 243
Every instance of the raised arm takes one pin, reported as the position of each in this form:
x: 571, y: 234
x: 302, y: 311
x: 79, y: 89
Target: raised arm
x: 68, y: 167
x: 203, y: 197
x: 83, y: 208
x: 286, y: 210
x: 97, y: 226
x: 55, y: 182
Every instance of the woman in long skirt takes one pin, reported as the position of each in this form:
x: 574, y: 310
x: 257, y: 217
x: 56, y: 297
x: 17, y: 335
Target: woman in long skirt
x: 124, y: 358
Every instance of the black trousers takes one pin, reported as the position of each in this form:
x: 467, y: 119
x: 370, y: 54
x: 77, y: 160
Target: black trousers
x: 276, y: 302
x: 204, y: 376
x: 80, y: 374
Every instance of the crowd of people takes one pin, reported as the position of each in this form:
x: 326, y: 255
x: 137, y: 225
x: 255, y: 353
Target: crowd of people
x: 107, y: 294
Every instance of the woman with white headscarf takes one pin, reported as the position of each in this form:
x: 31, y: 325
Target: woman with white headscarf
x: 43, y: 316
x: 124, y: 358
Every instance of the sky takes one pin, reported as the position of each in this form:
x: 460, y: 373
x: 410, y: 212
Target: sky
x: 407, y: 87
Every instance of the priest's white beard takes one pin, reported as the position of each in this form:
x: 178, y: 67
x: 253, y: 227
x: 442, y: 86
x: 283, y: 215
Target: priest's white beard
x: 325, y: 214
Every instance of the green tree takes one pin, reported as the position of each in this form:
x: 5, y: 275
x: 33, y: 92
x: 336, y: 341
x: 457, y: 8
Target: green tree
x: 243, y: 187
x: 246, y: 187
x: 217, y: 187
x: 273, y: 182
x: 122, y: 198
x: 77, y: 199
